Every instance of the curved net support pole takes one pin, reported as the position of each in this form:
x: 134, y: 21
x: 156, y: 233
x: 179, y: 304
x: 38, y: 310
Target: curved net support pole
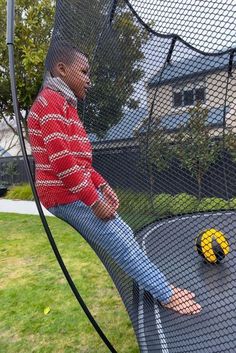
x: 173, y: 35
x: 160, y: 119
x: 10, y: 43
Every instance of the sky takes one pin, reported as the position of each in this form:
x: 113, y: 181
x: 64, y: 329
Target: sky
x: 207, y: 25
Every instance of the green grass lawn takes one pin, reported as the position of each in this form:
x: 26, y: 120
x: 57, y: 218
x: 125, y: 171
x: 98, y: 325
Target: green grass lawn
x: 31, y: 280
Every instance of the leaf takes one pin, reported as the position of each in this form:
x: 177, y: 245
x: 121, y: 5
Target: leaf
x: 47, y: 310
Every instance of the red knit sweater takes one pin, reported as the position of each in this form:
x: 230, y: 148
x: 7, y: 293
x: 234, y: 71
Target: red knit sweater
x: 62, y: 152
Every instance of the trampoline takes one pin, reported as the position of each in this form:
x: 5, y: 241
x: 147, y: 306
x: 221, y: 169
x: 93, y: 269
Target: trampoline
x: 211, y: 331
x: 160, y: 118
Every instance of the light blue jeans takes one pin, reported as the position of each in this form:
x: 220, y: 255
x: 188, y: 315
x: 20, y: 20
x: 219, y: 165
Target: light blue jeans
x: 116, y: 238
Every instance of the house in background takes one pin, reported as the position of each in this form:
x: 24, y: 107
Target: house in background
x: 176, y: 90
x: 9, y: 142
x: 121, y: 134
x: 186, y: 82
x: 12, y: 169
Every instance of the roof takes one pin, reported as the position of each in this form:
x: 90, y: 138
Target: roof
x: 124, y: 129
x: 172, y: 122
x: 189, y: 68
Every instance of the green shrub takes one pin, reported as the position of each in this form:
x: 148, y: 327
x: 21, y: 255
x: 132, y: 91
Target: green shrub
x: 213, y: 204
x: 20, y: 192
x: 135, y: 208
x: 133, y: 201
x: 232, y: 203
x: 162, y: 204
x: 183, y: 203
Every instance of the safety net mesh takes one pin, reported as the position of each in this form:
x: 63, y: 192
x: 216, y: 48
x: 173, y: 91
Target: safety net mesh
x: 160, y: 115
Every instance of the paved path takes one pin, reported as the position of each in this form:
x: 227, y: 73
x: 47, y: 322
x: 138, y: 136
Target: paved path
x: 22, y: 207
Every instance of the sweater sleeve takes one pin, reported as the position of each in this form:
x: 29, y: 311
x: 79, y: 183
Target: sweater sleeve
x: 97, y: 179
x: 72, y: 172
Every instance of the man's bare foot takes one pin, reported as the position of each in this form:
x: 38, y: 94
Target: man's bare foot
x: 183, y: 302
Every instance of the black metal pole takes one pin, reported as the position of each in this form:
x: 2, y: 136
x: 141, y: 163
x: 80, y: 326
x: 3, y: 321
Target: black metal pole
x: 10, y: 44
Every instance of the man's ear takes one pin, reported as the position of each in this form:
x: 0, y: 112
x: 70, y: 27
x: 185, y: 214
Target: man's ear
x: 61, y: 69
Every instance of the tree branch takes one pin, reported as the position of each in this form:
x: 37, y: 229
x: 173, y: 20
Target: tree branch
x: 8, y: 124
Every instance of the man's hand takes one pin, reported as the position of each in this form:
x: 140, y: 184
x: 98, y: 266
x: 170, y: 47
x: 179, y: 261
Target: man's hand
x: 110, y: 196
x: 103, y: 210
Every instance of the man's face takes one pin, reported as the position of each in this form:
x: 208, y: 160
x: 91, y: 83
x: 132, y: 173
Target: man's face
x: 76, y: 76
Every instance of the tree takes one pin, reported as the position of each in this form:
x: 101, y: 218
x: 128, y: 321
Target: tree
x: 33, y: 28
x: 115, y: 52
x: 194, y: 146
x: 115, y: 68
x: 230, y: 142
x: 156, y: 147
x: 156, y: 150
x: 9, y: 171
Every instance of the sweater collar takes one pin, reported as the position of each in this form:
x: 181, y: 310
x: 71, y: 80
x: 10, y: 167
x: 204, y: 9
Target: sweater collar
x: 58, y: 85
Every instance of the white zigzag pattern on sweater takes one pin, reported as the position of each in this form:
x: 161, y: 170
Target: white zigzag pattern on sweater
x: 79, y: 187
x: 42, y: 100
x: 66, y: 153
x: 33, y: 115
x: 60, y: 117
x: 38, y: 149
x: 70, y: 171
x: 35, y: 132
x: 49, y: 183
x: 59, y: 135
x: 43, y: 167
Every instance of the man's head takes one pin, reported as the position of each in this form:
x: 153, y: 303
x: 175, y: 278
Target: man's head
x: 68, y: 63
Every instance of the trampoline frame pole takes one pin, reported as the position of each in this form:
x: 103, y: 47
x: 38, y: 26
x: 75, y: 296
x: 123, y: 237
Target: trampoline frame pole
x: 10, y: 44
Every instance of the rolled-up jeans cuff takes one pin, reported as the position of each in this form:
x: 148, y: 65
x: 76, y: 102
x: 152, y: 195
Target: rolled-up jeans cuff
x: 165, y: 299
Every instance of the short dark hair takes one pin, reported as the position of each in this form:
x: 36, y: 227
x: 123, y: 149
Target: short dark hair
x: 60, y: 51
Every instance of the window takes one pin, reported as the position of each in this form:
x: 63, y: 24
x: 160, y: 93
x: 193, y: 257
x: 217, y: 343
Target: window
x: 188, y: 97
x: 177, y: 99
x: 200, y: 95
x: 189, y: 94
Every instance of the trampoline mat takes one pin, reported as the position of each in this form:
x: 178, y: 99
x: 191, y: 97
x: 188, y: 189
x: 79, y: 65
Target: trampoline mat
x: 170, y: 244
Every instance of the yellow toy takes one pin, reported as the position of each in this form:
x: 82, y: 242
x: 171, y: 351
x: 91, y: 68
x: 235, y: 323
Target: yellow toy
x: 212, y: 245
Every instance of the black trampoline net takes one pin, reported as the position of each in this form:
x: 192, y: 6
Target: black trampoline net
x: 160, y: 117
